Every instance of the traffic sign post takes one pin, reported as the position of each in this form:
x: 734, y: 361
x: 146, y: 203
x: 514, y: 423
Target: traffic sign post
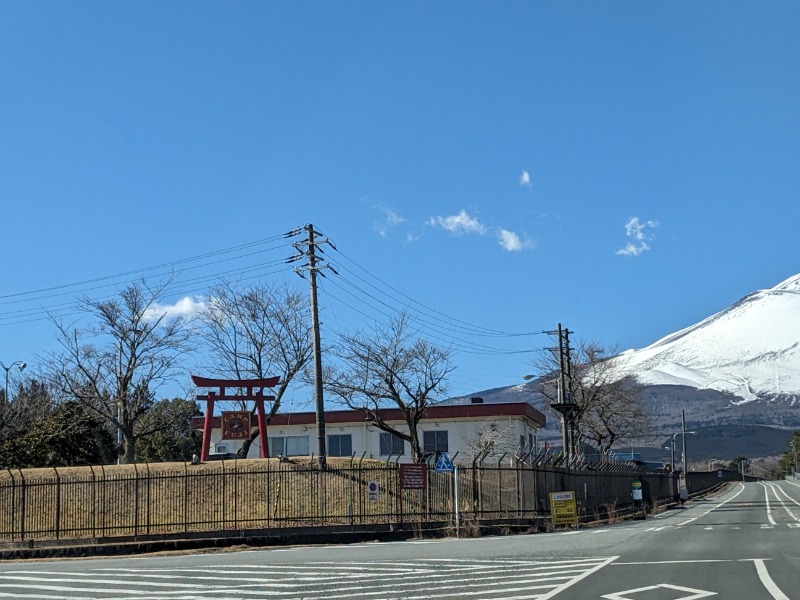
x: 373, y: 490
x: 444, y: 464
x: 636, y: 490
x: 636, y: 494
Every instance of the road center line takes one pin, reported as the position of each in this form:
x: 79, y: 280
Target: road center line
x: 766, y: 497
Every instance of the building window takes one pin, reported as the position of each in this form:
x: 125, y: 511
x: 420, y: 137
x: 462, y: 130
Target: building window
x: 434, y: 441
x: 340, y: 445
x: 391, y: 445
x: 292, y: 445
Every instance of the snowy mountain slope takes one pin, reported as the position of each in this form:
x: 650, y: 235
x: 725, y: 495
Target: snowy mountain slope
x: 751, y: 349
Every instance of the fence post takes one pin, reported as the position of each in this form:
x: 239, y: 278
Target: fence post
x: 22, y: 505
x: 518, y: 477
x: 500, y: 483
x: 236, y: 493
x: 58, y: 503
x: 185, y: 497
x: 455, y: 486
x: 13, y: 501
x: 398, y: 489
x: 103, y: 502
x: 94, y: 502
x: 222, y: 503
x: 135, y: 500
x: 351, y: 508
x: 149, y: 497
x: 361, y: 488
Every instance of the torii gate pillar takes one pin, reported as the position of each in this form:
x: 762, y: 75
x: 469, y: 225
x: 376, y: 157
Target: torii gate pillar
x: 251, y: 385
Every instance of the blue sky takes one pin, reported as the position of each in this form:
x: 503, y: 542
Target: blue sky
x: 624, y: 168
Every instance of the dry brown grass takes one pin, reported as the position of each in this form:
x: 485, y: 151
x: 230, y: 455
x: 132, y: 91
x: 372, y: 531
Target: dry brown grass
x: 80, y: 502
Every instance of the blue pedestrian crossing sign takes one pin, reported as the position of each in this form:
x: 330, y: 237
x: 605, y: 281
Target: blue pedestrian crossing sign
x: 444, y: 464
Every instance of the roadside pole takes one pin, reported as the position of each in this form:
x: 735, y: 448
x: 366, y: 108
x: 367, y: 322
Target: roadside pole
x: 455, y: 483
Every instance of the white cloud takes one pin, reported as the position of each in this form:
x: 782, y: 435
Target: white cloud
x: 512, y: 242
x: 391, y: 218
x: 638, y: 236
x: 185, y: 307
x: 525, y: 179
x: 458, y: 224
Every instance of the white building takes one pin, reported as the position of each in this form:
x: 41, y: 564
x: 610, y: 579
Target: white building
x: 452, y: 429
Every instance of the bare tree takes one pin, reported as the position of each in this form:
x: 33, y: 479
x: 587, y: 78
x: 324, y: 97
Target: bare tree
x: 609, y: 410
x: 114, y: 364
x: 391, y: 367
x: 258, y: 331
x: 494, y: 438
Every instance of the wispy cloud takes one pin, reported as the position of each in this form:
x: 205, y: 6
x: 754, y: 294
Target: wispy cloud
x: 391, y: 218
x: 525, y: 179
x: 185, y: 307
x: 511, y: 242
x: 458, y: 224
x: 639, y: 237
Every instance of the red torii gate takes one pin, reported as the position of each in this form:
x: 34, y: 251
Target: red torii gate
x: 258, y: 396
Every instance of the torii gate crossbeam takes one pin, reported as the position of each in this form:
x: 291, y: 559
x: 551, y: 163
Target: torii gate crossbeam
x: 255, y: 391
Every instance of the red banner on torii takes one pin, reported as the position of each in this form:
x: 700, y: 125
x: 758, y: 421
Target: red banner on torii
x: 254, y: 391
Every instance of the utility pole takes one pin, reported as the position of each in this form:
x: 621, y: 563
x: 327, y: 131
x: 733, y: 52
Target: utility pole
x: 308, y: 249
x: 320, y: 402
x: 683, y: 439
x: 565, y: 404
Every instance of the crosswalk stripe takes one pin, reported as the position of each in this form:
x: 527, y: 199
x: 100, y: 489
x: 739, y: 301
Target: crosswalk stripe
x: 428, y: 578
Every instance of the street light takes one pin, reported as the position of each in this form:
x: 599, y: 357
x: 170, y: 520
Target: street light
x: 673, y: 445
x: 16, y: 363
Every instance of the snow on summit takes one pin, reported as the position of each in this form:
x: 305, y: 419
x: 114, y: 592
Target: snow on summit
x: 750, y: 349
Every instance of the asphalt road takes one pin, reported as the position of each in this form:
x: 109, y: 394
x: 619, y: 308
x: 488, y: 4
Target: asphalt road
x: 742, y: 544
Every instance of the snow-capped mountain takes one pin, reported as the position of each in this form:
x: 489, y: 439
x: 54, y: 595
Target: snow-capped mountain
x: 736, y: 371
x: 750, y: 350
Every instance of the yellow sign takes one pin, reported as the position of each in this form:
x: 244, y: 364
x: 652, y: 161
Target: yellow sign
x: 563, y: 508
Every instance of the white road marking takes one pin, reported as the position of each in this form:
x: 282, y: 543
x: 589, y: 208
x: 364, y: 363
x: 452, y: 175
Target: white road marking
x: 767, y: 582
x: 694, y: 593
x: 424, y: 578
x: 577, y: 579
x: 775, y: 489
x: 741, y: 489
x: 769, y: 510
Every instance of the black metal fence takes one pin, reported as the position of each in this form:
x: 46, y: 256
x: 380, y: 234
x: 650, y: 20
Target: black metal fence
x: 140, y: 500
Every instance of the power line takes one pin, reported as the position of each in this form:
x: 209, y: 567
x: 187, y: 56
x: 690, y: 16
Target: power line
x: 486, y: 331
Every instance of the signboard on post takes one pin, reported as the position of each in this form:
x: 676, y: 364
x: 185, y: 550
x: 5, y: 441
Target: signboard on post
x: 563, y: 508
x: 413, y: 476
x: 444, y: 464
x: 235, y: 425
x: 636, y: 490
x: 373, y: 489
